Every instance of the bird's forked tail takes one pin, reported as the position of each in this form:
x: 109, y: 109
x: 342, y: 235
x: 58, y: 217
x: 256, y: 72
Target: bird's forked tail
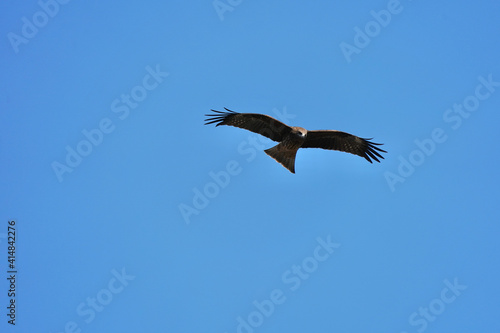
x: 284, y: 156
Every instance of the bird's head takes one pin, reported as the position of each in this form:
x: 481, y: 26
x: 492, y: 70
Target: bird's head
x: 299, y: 131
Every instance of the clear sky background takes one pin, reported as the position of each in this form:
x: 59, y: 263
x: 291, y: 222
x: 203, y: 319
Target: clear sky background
x: 132, y: 216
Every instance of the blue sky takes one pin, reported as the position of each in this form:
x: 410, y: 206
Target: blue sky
x: 132, y: 216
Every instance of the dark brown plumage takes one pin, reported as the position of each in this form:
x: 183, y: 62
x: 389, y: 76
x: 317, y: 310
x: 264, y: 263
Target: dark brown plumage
x: 292, y: 138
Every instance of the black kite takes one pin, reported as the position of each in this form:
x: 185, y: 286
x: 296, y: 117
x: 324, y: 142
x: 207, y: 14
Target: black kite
x: 292, y: 138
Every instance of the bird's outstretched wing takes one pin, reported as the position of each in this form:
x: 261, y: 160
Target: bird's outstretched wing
x: 257, y: 123
x: 336, y: 140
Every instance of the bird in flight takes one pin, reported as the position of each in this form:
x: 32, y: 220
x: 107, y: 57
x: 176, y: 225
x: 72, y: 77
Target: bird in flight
x: 292, y: 138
